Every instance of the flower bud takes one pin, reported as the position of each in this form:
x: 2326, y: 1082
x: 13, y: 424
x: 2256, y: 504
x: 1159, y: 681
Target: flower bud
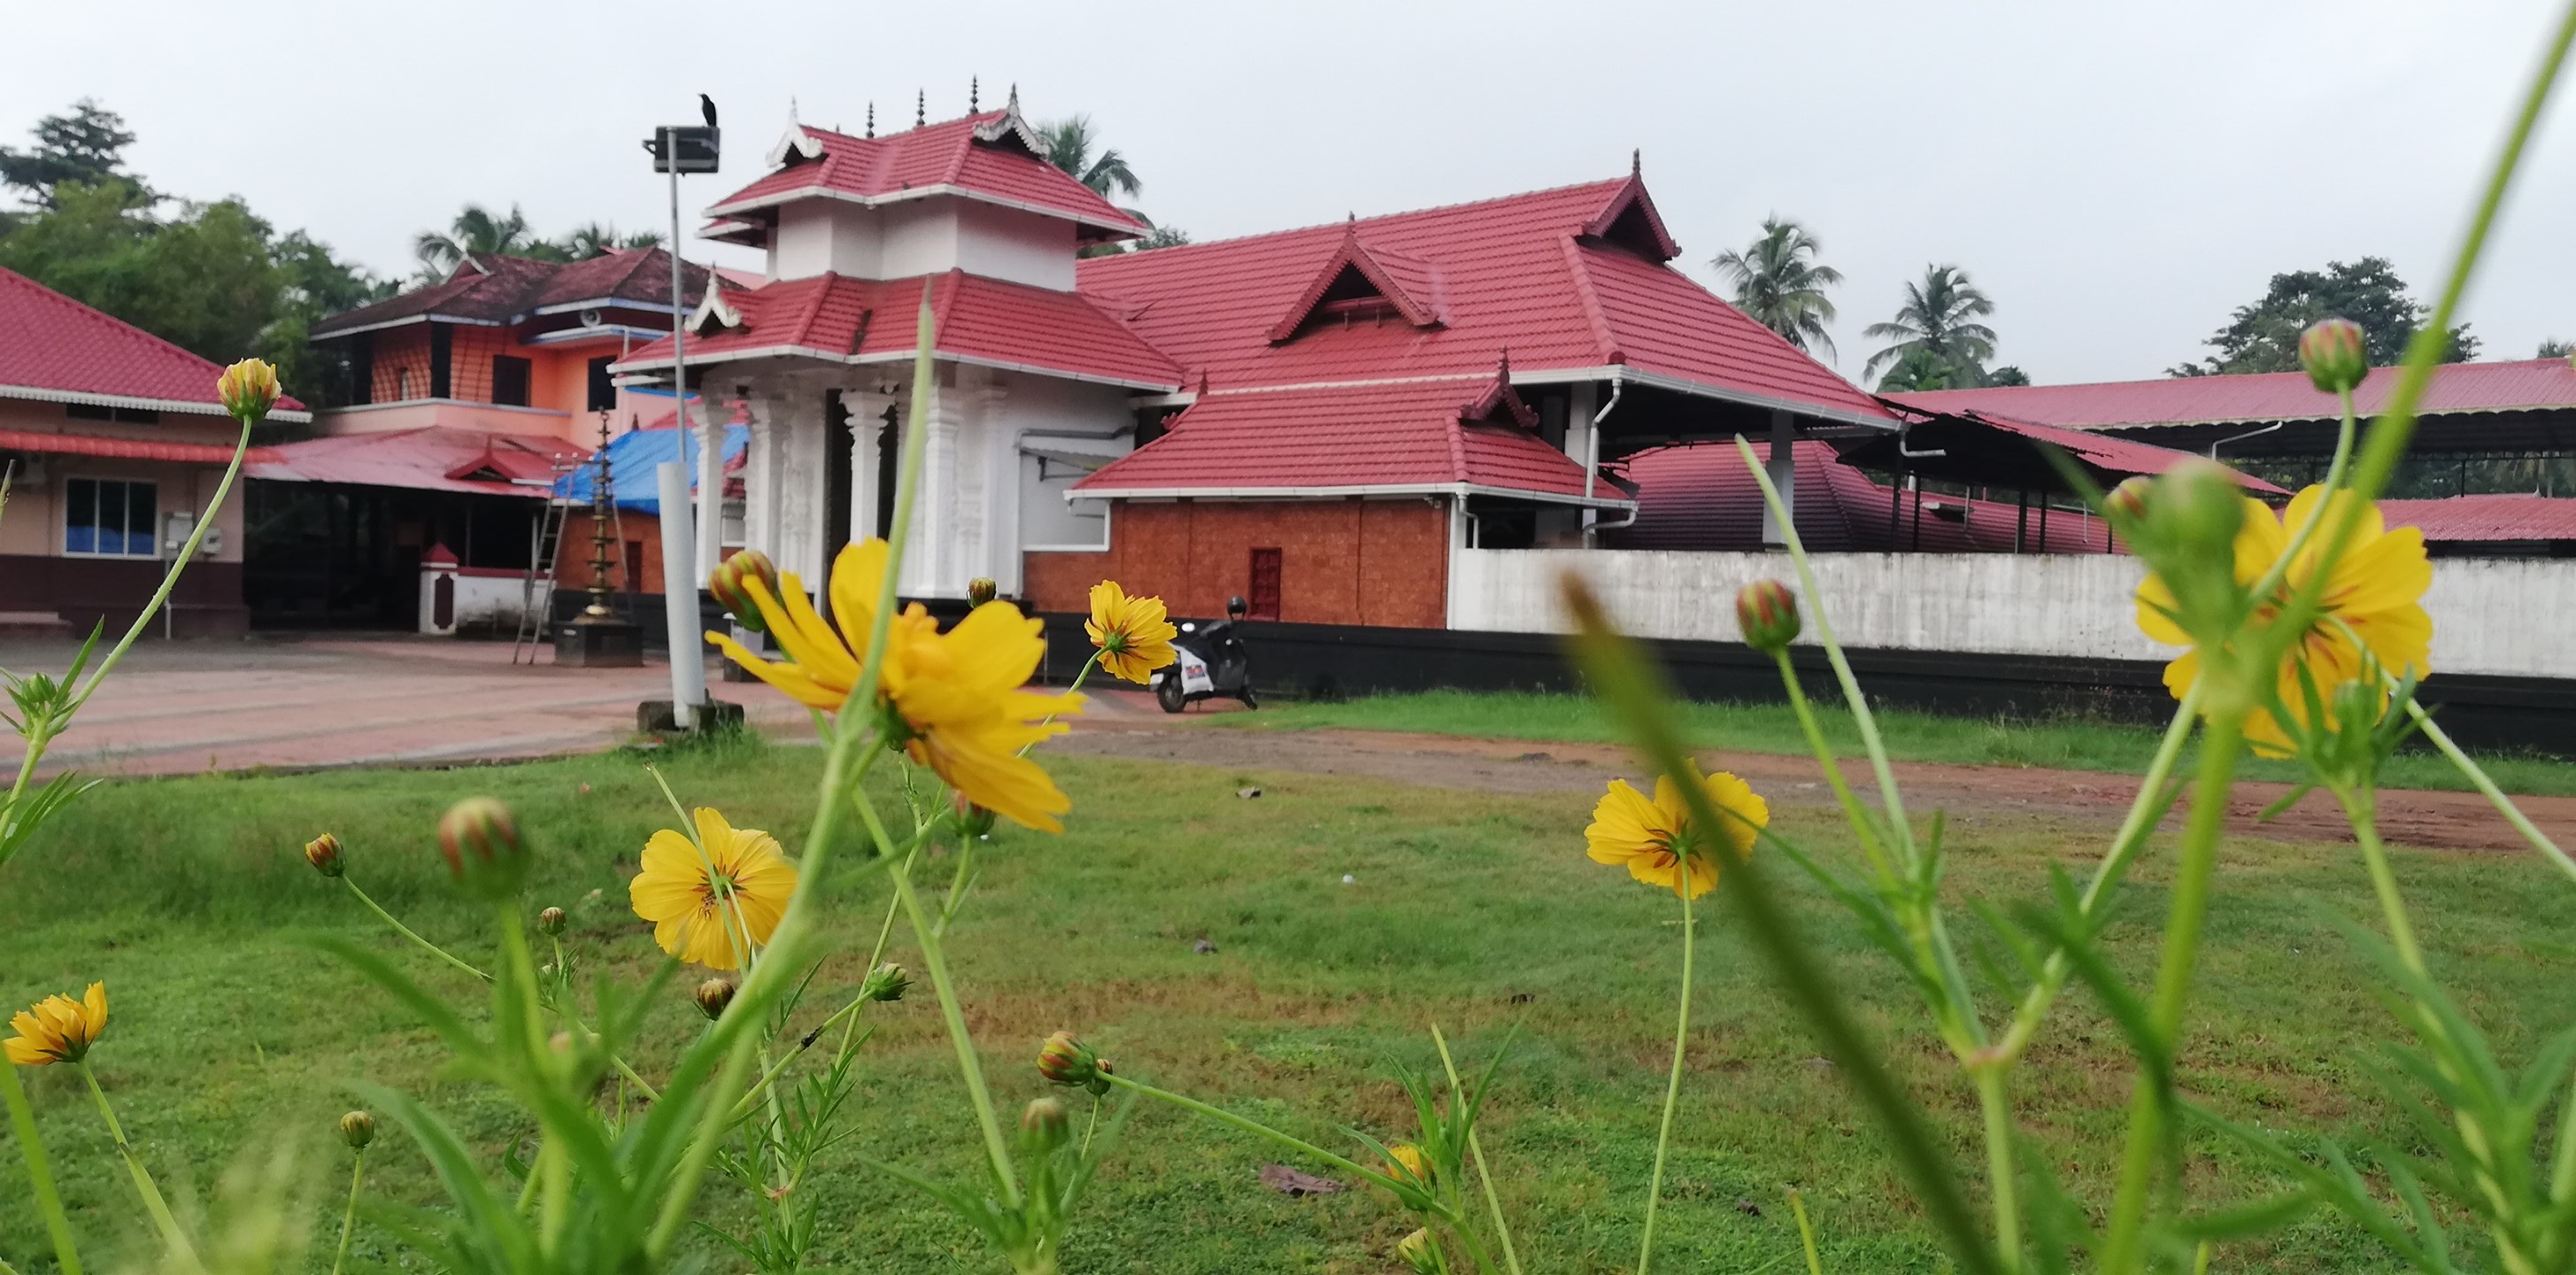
x: 483, y: 849
x: 2198, y: 510
x: 357, y: 1129
x: 982, y: 589
x: 550, y: 922
x: 1415, y: 1249
x: 323, y: 852
x: 714, y: 995
x: 726, y: 582
x: 885, y: 983
x: 1068, y: 1061
x: 1768, y: 614
x: 248, y: 389
x: 970, y: 820
x: 2331, y: 351
x: 2128, y: 501
x: 1405, y: 1160
x: 1044, y: 1126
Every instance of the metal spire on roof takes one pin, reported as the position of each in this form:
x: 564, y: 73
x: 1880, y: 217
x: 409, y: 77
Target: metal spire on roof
x: 1637, y: 162
x: 920, y: 107
x: 1015, y: 97
x: 974, y: 95
x: 872, y: 118
x: 792, y: 121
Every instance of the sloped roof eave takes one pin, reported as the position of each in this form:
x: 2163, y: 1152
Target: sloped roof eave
x: 1336, y: 491
x: 1123, y: 227
x: 41, y: 394
x: 629, y: 368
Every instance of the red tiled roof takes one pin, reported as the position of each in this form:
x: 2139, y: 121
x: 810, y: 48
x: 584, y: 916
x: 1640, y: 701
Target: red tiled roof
x: 1519, y: 274
x: 490, y: 288
x: 1426, y: 435
x: 1700, y: 497
x: 2272, y: 396
x: 20, y: 440
x: 56, y: 350
x: 433, y: 458
x: 987, y: 321
x: 987, y: 157
x: 2471, y: 519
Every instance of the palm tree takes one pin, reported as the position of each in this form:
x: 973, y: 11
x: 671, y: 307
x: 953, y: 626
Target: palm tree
x: 598, y: 239
x: 476, y: 230
x: 1938, y: 319
x: 1779, y: 285
x: 1069, y: 144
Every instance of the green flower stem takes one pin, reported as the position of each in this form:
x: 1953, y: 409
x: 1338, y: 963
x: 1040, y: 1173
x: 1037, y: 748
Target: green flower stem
x: 1256, y: 1128
x: 171, y: 1235
x: 1673, y: 1081
x: 846, y: 1015
x: 2495, y: 796
x: 2151, y: 1098
x: 2360, y: 808
x: 1888, y: 795
x: 2002, y: 1174
x: 40, y: 1173
x: 1862, y: 825
x: 6, y: 1268
x: 1484, y: 1174
x: 406, y: 931
x: 936, y: 961
x: 1806, y: 1232
x: 349, y: 1218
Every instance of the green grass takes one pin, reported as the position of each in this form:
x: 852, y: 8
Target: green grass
x: 2070, y: 743
x: 1472, y: 910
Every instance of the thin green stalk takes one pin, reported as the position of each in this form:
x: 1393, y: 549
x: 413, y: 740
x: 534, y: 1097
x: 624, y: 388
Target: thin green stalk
x: 1672, y: 1082
x: 40, y: 1173
x: 1476, y: 1148
x: 2495, y: 796
x: 171, y: 1235
x: 1888, y: 795
x: 1862, y: 824
x: 349, y: 1218
x: 1806, y: 1232
x: 932, y: 958
x: 2150, y: 1097
x: 1255, y: 1127
x: 406, y: 931
x: 6, y: 1268
x: 2004, y: 1177
x: 2360, y: 810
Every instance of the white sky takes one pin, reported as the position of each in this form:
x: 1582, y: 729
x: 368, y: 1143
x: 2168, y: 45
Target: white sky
x: 2116, y: 177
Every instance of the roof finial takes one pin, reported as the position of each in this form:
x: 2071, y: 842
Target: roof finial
x: 920, y: 107
x: 1506, y: 370
x: 1637, y: 162
x: 792, y: 121
x: 1203, y: 382
x: 974, y: 95
x: 872, y: 119
x: 1015, y: 97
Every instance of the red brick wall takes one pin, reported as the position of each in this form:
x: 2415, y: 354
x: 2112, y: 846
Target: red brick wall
x: 1380, y: 562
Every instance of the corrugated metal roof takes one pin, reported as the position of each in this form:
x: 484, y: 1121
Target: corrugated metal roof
x: 2472, y: 519
x: 55, y: 349
x: 1700, y: 496
x: 427, y: 459
x: 503, y: 289
x: 2525, y: 385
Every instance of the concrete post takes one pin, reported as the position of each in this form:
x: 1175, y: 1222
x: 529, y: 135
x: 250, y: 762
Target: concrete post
x: 680, y: 596
x: 1783, y: 468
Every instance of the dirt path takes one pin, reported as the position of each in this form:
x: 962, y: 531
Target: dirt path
x: 1119, y: 728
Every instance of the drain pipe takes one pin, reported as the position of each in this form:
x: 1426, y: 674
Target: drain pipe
x: 1592, y: 463
x: 2256, y: 433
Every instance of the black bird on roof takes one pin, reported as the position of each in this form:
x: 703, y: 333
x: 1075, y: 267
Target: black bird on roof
x: 707, y: 107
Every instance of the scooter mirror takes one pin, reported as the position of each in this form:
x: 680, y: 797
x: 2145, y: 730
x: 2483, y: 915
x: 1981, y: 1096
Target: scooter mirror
x: 1188, y: 627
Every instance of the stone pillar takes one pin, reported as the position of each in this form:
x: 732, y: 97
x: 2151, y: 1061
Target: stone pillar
x: 760, y: 476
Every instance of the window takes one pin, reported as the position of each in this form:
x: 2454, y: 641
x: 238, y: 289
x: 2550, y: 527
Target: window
x: 509, y: 380
x: 1262, y: 602
x: 603, y: 388
x: 110, y: 516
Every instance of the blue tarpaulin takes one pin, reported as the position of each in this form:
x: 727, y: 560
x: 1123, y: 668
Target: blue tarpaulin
x: 635, y: 455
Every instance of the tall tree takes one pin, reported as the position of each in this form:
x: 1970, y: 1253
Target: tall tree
x: 477, y: 230
x: 86, y: 147
x: 2264, y: 336
x: 1779, y: 284
x: 1072, y: 146
x: 598, y: 239
x: 1938, y: 322
x: 2554, y: 349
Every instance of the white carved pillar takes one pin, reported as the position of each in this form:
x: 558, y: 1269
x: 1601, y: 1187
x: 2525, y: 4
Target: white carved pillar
x: 1001, y: 500
x: 760, y: 473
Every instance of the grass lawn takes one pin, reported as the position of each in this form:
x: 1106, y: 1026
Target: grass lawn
x: 1467, y: 909
x: 2068, y: 743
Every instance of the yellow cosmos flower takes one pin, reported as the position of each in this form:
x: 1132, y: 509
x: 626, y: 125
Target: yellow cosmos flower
x: 2373, y: 601
x: 1650, y: 837
x: 58, y: 1028
x: 1134, y: 634
x: 959, y: 707
x: 710, y: 908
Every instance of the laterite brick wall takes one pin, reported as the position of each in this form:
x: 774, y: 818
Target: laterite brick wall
x: 1374, y: 562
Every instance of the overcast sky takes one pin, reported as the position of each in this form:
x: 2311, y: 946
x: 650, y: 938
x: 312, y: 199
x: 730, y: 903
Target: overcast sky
x: 2117, y: 178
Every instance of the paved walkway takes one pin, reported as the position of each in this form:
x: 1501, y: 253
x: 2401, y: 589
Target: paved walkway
x: 338, y: 701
